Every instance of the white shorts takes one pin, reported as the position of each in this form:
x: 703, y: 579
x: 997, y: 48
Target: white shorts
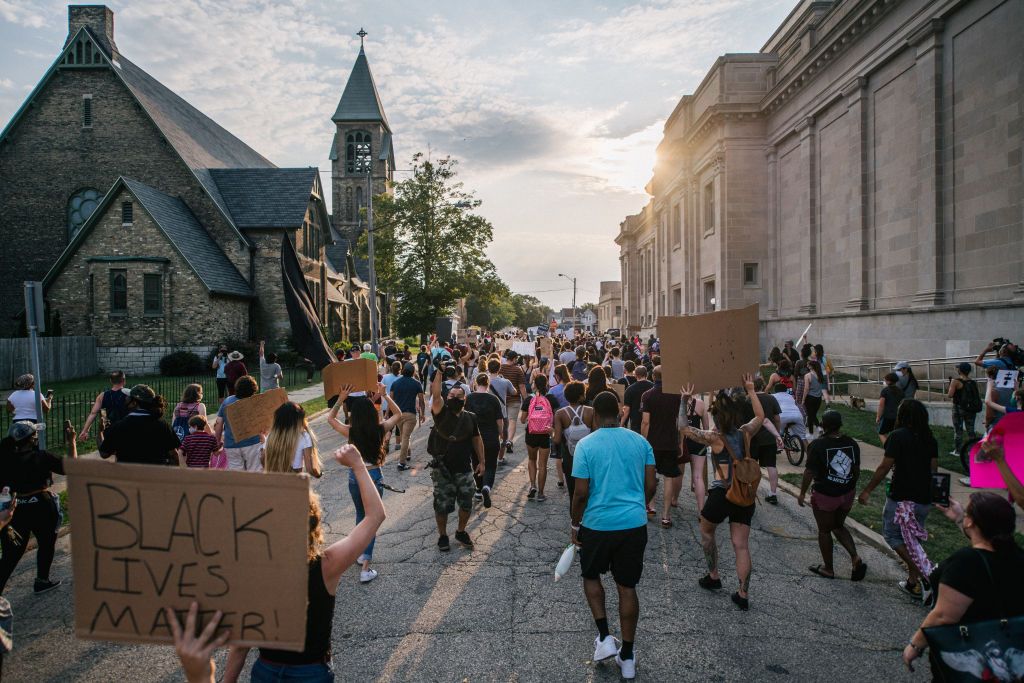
x: 796, y: 426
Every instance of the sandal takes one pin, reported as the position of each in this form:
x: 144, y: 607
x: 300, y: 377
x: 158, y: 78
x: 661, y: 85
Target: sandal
x: 820, y: 571
x: 859, y: 572
x: 666, y: 523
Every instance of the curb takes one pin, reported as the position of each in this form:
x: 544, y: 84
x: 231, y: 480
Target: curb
x: 863, y: 533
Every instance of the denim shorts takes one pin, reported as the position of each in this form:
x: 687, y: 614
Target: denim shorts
x: 891, y: 531
x: 265, y: 672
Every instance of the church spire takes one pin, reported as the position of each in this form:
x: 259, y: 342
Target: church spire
x: 360, y: 100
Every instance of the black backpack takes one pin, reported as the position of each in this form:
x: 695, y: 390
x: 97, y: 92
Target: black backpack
x: 968, y: 399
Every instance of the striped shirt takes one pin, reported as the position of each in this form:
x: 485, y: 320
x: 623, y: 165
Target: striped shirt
x: 198, y: 447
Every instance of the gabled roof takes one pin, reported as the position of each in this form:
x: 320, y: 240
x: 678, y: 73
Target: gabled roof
x: 360, y: 101
x: 192, y: 242
x: 265, y: 197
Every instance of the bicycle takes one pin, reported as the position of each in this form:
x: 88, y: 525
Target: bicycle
x: 793, y: 445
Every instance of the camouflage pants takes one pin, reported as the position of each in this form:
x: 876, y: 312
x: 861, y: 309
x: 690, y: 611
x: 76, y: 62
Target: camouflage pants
x: 451, y: 489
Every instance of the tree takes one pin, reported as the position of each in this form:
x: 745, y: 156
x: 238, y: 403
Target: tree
x: 489, y: 305
x: 529, y: 311
x: 429, y: 246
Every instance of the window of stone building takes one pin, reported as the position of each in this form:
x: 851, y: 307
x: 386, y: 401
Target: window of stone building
x: 118, y: 292
x: 677, y: 231
x: 618, y: 310
x: 751, y: 275
x: 86, y: 111
x: 677, y: 301
x: 152, y: 294
x: 710, y: 303
x: 80, y: 206
x: 357, y: 152
x: 709, y: 208
x: 127, y: 211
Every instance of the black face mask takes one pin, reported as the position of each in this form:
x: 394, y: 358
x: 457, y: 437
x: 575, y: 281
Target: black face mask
x: 455, y: 404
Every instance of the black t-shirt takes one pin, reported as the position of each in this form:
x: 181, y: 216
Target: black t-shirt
x: 632, y: 397
x: 140, y: 439
x: 893, y: 397
x: 461, y: 428
x: 626, y: 380
x: 662, y: 432
x: 487, y: 409
x: 912, y: 472
x: 835, y: 462
x: 771, y: 409
x: 995, y: 596
x: 29, y: 471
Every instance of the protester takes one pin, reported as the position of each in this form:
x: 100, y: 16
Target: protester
x: 616, y: 363
x: 976, y: 584
x: 629, y: 374
x: 833, y: 464
x: 270, y: 372
x: 244, y: 454
x: 291, y: 445
x: 783, y: 375
x: 632, y: 399
x: 1004, y: 356
x: 815, y: 392
x: 501, y: 388
x: 515, y: 376
x: 572, y: 424
x: 538, y: 414
x: 407, y: 393
x: 458, y: 436
x: 693, y: 413
x: 21, y: 403
x: 888, y: 406
x: 487, y: 408
x: 191, y: 404
x: 580, y: 365
x: 997, y: 408
x: 199, y: 445
x: 658, y: 425
x: 142, y: 437
x: 234, y: 370
x: 911, y: 453
x: 368, y: 353
x: 728, y: 442
x: 561, y: 376
x: 966, y: 402
x: 906, y: 382
x: 789, y: 352
x: 614, y: 477
x: 28, y: 474
x: 111, y: 403
x: 597, y: 381
x: 220, y: 364
x: 765, y: 444
x: 326, y: 567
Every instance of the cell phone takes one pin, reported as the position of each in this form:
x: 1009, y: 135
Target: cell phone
x: 940, y: 488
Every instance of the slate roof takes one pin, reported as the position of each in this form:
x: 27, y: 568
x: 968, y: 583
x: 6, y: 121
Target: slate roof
x: 191, y: 240
x: 265, y: 197
x: 360, y: 100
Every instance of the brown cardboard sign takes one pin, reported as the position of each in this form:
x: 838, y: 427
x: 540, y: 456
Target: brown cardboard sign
x: 253, y: 416
x: 148, y: 537
x: 546, y: 347
x: 619, y: 389
x: 361, y: 373
x: 502, y: 345
x: 711, y: 351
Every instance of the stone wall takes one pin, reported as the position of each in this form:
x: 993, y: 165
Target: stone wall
x: 141, y: 360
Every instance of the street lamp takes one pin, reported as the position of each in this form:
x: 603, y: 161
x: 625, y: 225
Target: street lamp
x: 573, y: 279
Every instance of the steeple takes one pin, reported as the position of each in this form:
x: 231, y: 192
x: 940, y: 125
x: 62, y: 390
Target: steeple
x: 360, y: 101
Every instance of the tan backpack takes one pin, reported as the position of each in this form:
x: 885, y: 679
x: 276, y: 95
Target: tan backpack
x: 746, y: 475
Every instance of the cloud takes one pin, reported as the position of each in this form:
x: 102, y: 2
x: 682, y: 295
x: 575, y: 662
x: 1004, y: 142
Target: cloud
x: 22, y: 14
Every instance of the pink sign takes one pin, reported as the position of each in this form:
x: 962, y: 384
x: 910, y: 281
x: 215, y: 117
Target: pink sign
x: 1009, y: 431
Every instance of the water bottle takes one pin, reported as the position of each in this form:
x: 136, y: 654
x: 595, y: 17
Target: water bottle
x: 5, y: 498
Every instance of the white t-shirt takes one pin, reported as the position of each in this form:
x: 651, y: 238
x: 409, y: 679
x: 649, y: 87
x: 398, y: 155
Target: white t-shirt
x: 304, y: 443
x: 24, y: 402
x: 790, y: 412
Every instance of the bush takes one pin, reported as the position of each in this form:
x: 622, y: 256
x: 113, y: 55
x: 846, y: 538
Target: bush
x: 181, y: 364
x: 344, y: 345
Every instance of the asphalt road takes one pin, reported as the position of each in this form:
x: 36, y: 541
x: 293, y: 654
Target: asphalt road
x: 495, y: 614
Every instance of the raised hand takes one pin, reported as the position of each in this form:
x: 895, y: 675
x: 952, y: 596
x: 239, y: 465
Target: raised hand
x: 194, y: 651
x: 687, y: 390
x: 748, y: 382
x: 348, y: 455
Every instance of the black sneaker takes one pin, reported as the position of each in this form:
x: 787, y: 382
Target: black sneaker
x: 44, y: 586
x: 742, y: 603
x: 464, y: 540
x: 508, y: 446
x: 402, y: 467
x: 443, y: 545
x: 707, y: 583
x: 532, y: 494
x: 486, y: 492
x: 773, y: 499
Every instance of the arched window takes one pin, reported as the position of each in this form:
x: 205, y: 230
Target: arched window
x: 349, y: 213
x: 357, y: 152
x: 80, y: 207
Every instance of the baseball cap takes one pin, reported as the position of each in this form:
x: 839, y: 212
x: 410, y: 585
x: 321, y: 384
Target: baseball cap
x: 22, y: 430
x: 964, y: 368
x: 831, y: 420
x: 902, y: 365
x: 142, y: 393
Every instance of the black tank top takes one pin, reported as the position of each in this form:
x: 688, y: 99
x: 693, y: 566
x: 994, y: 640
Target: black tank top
x: 319, y: 619
x: 694, y: 420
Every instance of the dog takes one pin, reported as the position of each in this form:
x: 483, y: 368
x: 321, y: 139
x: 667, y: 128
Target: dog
x: 856, y: 402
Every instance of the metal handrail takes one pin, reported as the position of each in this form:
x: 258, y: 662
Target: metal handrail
x: 936, y: 371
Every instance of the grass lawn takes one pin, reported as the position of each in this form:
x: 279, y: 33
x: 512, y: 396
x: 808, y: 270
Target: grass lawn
x: 860, y: 424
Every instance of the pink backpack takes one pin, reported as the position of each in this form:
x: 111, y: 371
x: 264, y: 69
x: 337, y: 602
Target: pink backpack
x: 542, y: 418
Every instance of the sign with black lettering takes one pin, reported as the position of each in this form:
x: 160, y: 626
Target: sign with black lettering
x: 147, y: 537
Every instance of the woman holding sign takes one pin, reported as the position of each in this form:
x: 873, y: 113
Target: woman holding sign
x: 367, y: 432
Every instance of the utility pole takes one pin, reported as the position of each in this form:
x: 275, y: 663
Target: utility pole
x: 374, y: 340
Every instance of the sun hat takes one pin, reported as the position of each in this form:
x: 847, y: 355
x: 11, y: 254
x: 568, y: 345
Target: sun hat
x: 235, y: 355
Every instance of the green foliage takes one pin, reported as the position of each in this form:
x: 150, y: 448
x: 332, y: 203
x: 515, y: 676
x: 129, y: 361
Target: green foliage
x: 181, y: 364
x: 490, y: 305
x: 343, y: 345
x: 529, y: 311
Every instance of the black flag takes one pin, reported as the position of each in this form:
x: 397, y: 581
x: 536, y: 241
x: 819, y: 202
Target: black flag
x: 306, y: 330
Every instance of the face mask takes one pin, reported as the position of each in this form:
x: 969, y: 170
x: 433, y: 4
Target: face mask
x: 455, y: 404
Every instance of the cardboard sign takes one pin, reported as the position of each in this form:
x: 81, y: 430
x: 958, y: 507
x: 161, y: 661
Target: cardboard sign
x: 253, y: 416
x: 711, y: 351
x: 502, y: 345
x: 148, y: 537
x: 619, y: 389
x: 361, y: 373
x: 547, y: 346
x: 1006, y: 379
x: 1010, y: 432
x: 461, y: 337
x: 524, y: 348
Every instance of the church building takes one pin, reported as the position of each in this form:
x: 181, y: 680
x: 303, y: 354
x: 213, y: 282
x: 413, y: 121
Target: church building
x: 154, y: 229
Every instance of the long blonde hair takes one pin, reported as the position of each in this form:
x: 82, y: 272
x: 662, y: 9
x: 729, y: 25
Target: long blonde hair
x: 289, y: 424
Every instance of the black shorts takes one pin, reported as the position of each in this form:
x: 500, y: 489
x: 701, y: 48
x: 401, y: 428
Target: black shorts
x: 666, y: 463
x: 717, y: 508
x: 620, y: 551
x: 765, y: 454
x: 693, y: 448
x: 538, y: 440
x: 222, y: 387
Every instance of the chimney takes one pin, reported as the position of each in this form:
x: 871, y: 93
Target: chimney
x: 99, y: 19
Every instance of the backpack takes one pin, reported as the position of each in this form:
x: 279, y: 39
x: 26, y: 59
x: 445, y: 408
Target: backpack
x: 968, y: 399
x: 746, y: 475
x: 541, y: 416
x: 116, y: 405
x: 180, y: 424
x: 579, y: 370
x: 576, y: 430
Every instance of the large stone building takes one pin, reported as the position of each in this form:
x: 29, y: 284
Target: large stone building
x: 863, y: 172
x: 609, y: 306
x: 152, y: 227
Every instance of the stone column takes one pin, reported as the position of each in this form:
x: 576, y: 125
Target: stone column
x: 809, y: 248
x: 856, y: 94
x: 771, y: 263
x: 928, y: 68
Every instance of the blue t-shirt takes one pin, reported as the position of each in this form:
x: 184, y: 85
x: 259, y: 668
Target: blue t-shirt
x: 229, y: 439
x: 558, y: 391
x: 1001, y: 363
x: 613, y: 459
x: 405, y: 390
x: 221, y: 364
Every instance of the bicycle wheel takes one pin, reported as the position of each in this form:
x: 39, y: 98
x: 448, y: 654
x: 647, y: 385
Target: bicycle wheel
x: 965, y: 454
x: 794, y: 449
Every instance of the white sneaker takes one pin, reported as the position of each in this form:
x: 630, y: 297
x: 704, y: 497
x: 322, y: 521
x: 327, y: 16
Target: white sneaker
x: 367, y: 576
x: 605, y: 649
x: 627, y: 666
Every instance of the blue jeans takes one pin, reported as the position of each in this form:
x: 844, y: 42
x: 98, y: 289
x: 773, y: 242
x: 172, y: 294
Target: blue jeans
x: 357, y: 501
x: 262, y: 672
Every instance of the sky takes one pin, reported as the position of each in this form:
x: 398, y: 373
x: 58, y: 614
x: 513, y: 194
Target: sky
x: 553, y: 109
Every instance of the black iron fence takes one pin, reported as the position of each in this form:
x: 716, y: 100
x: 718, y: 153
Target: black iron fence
x: 76, y: 405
